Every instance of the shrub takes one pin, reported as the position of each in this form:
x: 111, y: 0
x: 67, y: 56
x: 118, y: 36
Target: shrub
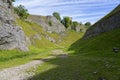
x: 50, y: 23
x: 67, y: 22
x: 13, y: 0
x: 57, y: 16
x: 87, y: 24
x: 21, y: 11
x: 75, y: 23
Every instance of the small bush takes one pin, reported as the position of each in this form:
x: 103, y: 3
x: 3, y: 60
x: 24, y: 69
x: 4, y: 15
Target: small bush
x: 50, y: 23
x: 67, y: 21
x: 57, y: 16
x: 21, y: 11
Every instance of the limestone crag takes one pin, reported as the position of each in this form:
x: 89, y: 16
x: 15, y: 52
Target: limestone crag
x: 79, y: 28
x: 109, y: 22
x: 11, y: 36
x: 49, y: 23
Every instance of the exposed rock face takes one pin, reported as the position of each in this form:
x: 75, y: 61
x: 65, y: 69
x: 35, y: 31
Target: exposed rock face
x: 50, y: 39
x: 79, y: 28
x: 108, y: 23
x: 11, y: 36
x: 49, y: 23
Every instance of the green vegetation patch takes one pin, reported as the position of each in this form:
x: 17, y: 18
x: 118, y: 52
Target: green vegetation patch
x: 104, y: 41
x: 89, y: 66
x: 10, y: 58
x: 36, y: 34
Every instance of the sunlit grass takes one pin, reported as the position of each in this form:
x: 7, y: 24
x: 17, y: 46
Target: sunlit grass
x: 91, y: 59
x: 10, y: 58
x: 86, y: 66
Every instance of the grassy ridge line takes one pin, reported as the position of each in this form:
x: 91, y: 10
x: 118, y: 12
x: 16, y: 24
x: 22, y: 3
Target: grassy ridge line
x: 70, y: 38
x: 105, y: 41
x: 110, y: 14
x: 113, y: 12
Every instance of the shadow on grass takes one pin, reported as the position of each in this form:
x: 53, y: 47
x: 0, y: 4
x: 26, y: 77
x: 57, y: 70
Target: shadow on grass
x: 60, y: 69
x: 76, y: 68
x: 97, y: 63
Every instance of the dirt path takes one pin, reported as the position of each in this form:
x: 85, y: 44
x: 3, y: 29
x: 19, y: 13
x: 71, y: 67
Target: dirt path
x: 23, y: 72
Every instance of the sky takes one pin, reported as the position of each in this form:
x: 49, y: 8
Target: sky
x: 80, y: 10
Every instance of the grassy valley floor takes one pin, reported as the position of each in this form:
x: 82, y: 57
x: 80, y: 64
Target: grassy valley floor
x: 99, y: 65
x: 91, y: 59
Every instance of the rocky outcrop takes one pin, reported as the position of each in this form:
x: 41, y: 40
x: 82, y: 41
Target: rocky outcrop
x: 109, y: 22
x: 79, y: 28
x: 49, y: 23
x: 11, y: 36
x: 50, y: 39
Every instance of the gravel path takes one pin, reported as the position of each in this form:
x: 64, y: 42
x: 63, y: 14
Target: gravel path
x: 23, y: 72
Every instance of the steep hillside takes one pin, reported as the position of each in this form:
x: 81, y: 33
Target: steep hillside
x: 49, y: 23
x: 107, y: 23
x: 106, y: 35
x: 103, y: 42
x: 11, y: 36
x: 38, y: 37
x: 42, y: 39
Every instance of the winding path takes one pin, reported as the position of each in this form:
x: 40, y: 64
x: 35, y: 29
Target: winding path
x: 23, y: 72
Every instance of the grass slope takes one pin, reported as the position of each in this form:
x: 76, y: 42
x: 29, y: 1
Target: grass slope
x: 36, y: 34
x: 13, y: 58
x: 70, y: 38
x: 39, y: 47
x: 116, y: 10
x: 94, y: 60
x: 103, y: 42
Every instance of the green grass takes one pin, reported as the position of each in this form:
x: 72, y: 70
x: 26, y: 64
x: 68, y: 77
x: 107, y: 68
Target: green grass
x: 14, y: 58
x: 30, y: 28
x: 39, y: 48
x: 33, y: 29
x: 70, y: 38
x: 113, y: 12
x: 81, y: 67
x: 117, y: 9
x: 90, y: 59
x: 105, y: 41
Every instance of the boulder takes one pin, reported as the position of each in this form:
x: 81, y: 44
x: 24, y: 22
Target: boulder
x: 48, y: 23
x: 11, y: 35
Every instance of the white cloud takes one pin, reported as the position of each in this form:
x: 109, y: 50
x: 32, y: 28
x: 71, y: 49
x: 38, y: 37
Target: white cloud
x: 81, y: 10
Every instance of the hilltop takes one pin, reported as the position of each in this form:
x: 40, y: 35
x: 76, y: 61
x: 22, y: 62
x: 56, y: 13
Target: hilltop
x: 109, y: 22
x: 101, y: 36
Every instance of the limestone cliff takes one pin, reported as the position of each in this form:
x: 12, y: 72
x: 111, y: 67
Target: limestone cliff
x: 49, y: 23
x: 11, y: 36
x: 109, y: 22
